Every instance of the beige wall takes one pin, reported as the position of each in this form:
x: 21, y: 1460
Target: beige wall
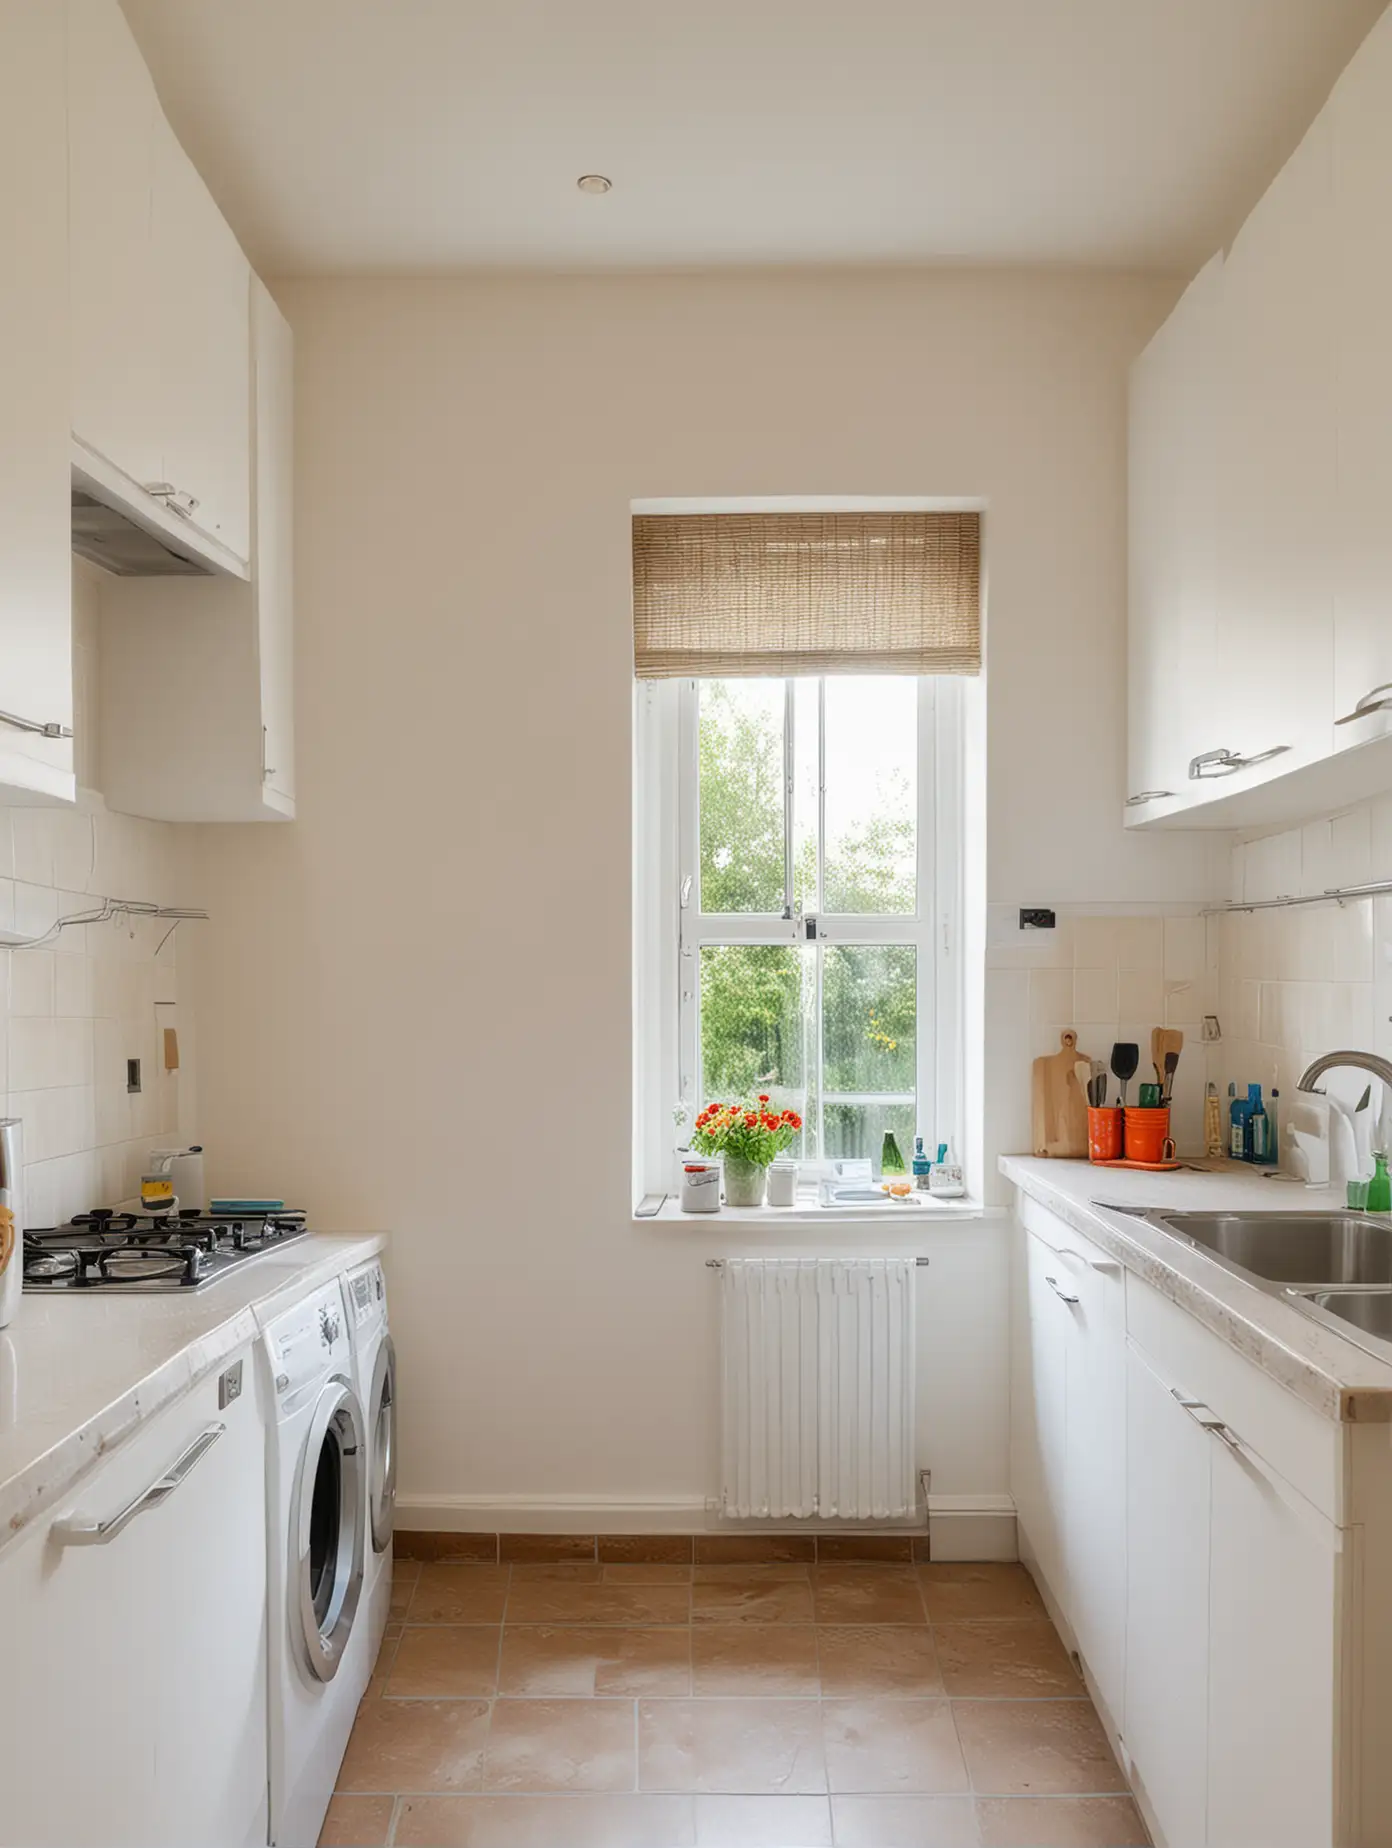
x: 414, y: 1006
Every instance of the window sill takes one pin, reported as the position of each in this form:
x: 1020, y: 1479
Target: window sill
x: 909, y: 1218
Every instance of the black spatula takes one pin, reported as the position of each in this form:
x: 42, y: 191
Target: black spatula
x: 1125, y: 1058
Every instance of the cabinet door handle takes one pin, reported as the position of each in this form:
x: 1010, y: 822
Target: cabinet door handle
x: 174, y: 498
x: 267, y: 770
x: 44, y: 729
x: 76, y: 1532
x: 1061, y: 1293
x: 1224, y: 762
x: 1149, y: 795
x: 1379, y: 699
x: 1207, y: 1419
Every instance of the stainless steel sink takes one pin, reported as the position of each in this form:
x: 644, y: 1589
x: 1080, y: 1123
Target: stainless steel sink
x: 1334, y: 1267
x: 1292, y: 1248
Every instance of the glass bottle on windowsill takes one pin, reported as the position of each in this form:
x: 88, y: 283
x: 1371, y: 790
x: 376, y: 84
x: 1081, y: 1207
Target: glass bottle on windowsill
x: 891, y: 1161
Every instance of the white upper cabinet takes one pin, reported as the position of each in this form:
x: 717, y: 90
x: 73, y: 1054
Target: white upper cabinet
x: 161, y: 388
x: 1273, y: 653
x: 1171, y: 627
x: 1295, y: 396
x: 36, y: 753
x: 1361, y: 108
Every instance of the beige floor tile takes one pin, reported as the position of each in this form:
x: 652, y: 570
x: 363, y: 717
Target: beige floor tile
x: 567, y: 1571
x: 1060, y: 1822
x: 470, y: 1549
x: 546, y: 1822
x: 866, y: 1660
x: 832, y: 1547
x: 731, y: 1747
x: 754, y: 1549
x: 416, y: 1745
x: 751, y: 1600
x: 386, y: 1655
x: 892, y: 1746
x: 1005, y: 1659
x: 957, y: 1591
x: 357, y: 1822
x: 1036, y: 1748
x: 763, y: 1822
x: 554, y: 1601
x: 515, y: 1548
x: 646, y: 1549
x: 445, y: 1662
x: 459, y: 1594
x: 555, y: 1660
x: 405, y: 1572
x: 754, y: 1658
x: 904, y: 1822
x: 570, y: 1745
x: 867, y: 1594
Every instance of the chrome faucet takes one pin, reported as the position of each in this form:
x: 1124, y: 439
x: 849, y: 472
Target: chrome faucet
x: 1360, y: 1061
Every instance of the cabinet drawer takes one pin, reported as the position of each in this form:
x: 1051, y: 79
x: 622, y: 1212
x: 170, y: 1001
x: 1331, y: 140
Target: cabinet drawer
x: 1300, y: 1446
x: 1060, y: 1236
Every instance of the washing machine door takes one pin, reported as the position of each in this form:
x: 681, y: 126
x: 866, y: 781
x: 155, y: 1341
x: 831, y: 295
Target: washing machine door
x: 327, y: 1533
x: 381, y: 1419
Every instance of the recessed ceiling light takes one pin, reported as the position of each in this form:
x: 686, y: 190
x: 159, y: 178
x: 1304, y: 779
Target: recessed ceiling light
x: 594, y: 183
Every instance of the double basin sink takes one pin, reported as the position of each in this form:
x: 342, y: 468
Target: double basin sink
x: 1332, y: 1265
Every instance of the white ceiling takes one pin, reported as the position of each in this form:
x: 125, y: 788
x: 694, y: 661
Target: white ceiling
x: 433, y: 135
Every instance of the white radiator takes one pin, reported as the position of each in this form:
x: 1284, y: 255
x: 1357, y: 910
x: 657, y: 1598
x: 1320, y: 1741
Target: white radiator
x: 817, y: 1390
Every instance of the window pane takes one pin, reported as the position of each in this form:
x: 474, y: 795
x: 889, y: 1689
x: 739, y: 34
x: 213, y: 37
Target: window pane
x: 869, y: 1017
x: 807, y: 771
x: 871, y: 801
x: 756, y: 1024
x: 741, y: 795
x: 859, y: 1129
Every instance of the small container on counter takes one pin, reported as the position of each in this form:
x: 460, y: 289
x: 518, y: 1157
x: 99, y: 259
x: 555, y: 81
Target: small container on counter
x: 1104, y: 1133
x: 922, y: 1167
x: 946, y: 1179
x: 700, y: 1184
x: 782, y: 1182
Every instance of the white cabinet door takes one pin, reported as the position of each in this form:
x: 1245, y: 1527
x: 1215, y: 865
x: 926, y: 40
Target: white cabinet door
x: 1361, y: 540
x: 35, y: 516
x: 1274, y: 644
x: 203, y: 282
x: 116, y: 311
x: 133, y: 1705
x: 1173, y: 416
x: 1271, y: 1669
x: 273, y: 578
x: 1165, y: 1718
x: 1095, y: 1465
x: 1046, y: 1387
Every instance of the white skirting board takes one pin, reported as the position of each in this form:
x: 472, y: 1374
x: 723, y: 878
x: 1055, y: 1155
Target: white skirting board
x: 959, y: 1526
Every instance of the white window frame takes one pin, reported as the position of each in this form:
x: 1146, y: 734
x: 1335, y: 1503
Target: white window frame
x: 668, y: 934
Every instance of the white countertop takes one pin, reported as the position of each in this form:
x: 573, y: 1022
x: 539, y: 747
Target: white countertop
x: 1338, y: 1378
x: 79, y: 1373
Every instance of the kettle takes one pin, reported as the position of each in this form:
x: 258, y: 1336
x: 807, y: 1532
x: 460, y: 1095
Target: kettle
x: 11, y: 1218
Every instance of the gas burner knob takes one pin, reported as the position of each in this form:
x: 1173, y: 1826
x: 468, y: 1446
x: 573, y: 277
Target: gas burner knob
x: 193, y: 1264
x: 239, y: 1237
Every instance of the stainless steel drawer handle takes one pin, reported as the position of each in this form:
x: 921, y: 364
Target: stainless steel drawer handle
x: 44, y: 729
x: 1149, y: 795
x: 98, y: 1533
x: 1224, y: 762
x: 1208, y: 1419
x: 1379, y: 699
x: 1061, y: 1293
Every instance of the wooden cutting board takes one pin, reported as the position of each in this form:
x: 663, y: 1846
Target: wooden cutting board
x: 1059, y: 1113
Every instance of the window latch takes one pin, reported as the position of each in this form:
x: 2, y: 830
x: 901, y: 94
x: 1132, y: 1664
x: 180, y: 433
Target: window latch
x: 809, y: 928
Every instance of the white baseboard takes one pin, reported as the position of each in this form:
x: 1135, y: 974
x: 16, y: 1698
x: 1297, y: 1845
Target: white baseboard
x: 972, y: 1527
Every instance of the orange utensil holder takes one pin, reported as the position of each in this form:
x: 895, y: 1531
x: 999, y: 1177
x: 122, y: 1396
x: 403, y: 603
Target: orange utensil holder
x: 1104, y: 1134
x: 1148, y: 1135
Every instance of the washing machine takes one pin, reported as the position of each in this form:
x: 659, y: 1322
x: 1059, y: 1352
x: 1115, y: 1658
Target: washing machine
x: 374, y: 1358
x: 316, y: 1557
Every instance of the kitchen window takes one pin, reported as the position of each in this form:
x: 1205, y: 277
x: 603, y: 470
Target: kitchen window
x: 799, y: 842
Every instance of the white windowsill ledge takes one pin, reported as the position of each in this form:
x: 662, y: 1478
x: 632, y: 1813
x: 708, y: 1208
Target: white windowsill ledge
x: 907, y: 1220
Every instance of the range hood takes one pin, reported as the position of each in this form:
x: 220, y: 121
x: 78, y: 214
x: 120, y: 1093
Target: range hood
x: 107, y: 536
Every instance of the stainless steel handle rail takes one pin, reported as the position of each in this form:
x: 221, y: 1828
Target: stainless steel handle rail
x: 1224, y: 762
x: 1062, y: 1294
x: 1204, y: 1416
x: 1377, y: 699
x: 1149, y: 795
x: 174, y: 498
x: 49, y: 729
x: 99, y: 1533
x: 719, y: 1263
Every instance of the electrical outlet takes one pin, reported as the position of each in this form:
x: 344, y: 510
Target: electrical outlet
x: 1212, y: 1031
x: 132, y: 1074
x: 1036, y: 917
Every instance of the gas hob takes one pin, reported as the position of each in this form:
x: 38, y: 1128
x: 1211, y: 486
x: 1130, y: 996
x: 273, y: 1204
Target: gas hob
x: 149, y: 1254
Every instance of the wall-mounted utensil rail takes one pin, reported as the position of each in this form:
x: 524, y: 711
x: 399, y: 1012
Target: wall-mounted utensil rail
x: 719, y: 1263
x: 1332, y: 895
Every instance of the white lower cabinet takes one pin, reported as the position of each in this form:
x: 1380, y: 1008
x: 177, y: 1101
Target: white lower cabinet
x: 133, y: 1703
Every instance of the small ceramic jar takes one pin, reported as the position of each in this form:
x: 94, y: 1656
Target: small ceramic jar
x: 782, y: 1182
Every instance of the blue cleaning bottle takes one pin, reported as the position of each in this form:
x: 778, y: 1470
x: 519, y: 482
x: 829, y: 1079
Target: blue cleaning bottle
x: 1258, y: 1127
x: 1239, y: 1109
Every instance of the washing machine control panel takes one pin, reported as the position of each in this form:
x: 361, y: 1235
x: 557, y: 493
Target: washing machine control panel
x: 310, y: 1342
x: 367, y: 1295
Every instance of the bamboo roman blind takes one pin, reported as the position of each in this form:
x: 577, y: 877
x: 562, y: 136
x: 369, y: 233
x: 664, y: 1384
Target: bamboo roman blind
x: 724, y: 594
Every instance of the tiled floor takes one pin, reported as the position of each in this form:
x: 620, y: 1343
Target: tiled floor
x: 560, y: 1705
